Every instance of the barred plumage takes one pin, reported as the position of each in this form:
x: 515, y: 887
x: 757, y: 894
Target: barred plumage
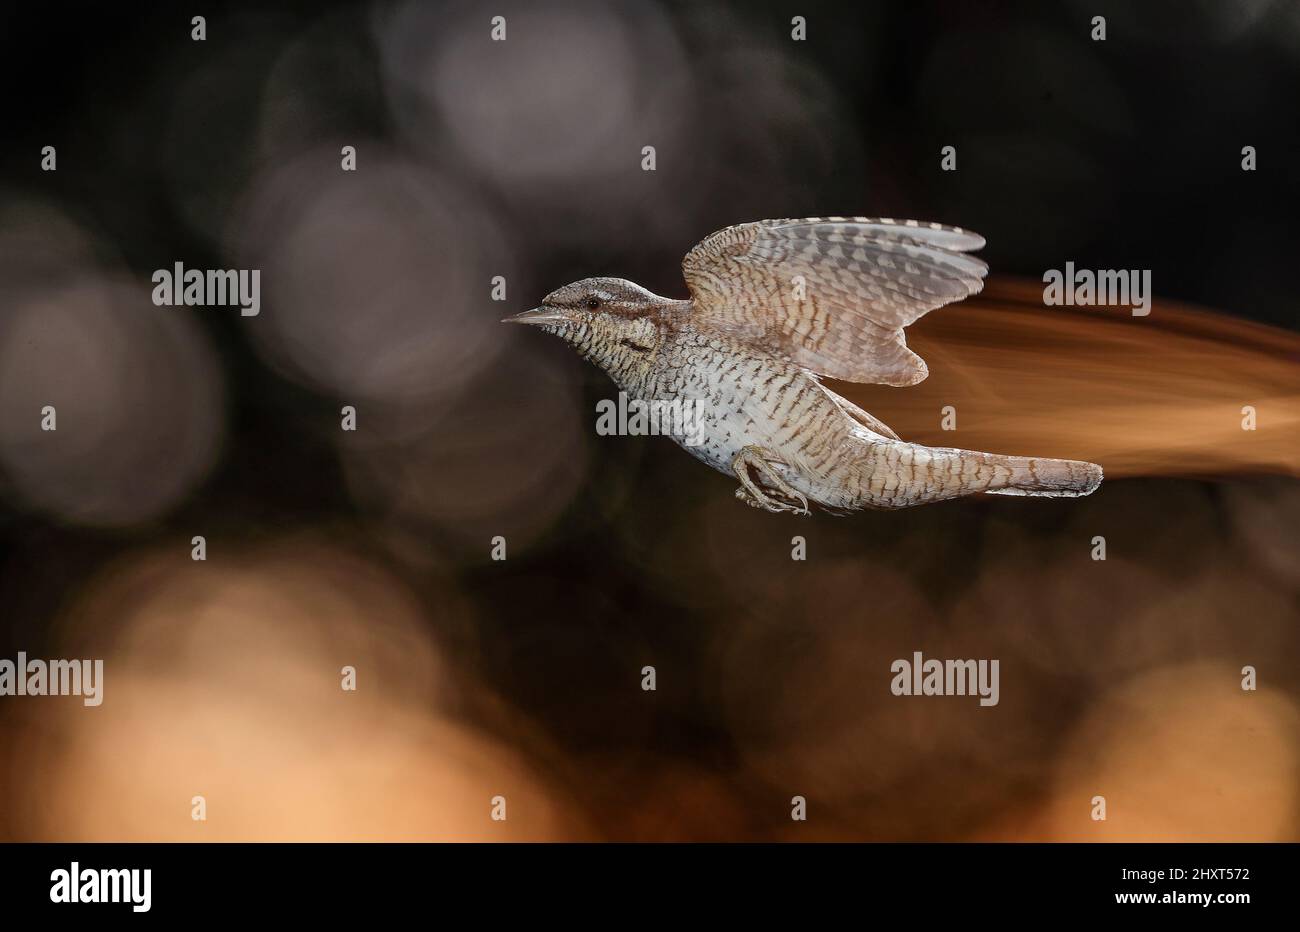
x: 833, y: 293
x: 774, y: 304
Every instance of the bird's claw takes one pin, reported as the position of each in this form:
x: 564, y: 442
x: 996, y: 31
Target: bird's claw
x: 780, y: 498
x: 774, y: 505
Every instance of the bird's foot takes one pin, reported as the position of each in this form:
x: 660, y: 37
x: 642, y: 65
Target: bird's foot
x: 780, y: 497
x: 768, y: 503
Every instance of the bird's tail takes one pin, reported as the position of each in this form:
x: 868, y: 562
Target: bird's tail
x: 1048, y: 478
x: 894, y: 474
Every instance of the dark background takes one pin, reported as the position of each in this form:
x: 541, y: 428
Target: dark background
x: 523, y: 159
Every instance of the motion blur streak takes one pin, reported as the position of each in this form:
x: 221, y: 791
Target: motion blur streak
x: 1160, y: 395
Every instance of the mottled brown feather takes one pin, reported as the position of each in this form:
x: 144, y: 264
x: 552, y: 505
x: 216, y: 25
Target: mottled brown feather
x: 863, y: 280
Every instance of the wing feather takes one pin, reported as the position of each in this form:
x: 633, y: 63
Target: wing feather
x: 833, y: 293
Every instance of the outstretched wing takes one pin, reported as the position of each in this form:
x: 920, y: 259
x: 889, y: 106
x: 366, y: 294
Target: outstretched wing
x: 833, y: 293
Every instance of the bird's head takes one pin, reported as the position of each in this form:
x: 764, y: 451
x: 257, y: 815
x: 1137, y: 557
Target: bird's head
x: 611, y: 321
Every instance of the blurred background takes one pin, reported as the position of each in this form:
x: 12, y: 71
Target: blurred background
x: 522, y: 678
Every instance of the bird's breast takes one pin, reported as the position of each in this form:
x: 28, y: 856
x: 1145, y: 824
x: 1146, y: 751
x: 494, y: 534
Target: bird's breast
x: 738, y: 396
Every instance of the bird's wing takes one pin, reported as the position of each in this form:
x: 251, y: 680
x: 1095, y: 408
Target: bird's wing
x: 833, y: 293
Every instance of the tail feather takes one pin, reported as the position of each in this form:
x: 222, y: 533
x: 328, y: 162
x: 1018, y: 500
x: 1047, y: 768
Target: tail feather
x: 1048, y: 478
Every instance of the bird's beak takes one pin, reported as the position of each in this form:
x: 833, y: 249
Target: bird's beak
x: 538, y: 315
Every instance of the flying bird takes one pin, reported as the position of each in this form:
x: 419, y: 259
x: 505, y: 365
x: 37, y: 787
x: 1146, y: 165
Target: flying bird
x: 774, y: 306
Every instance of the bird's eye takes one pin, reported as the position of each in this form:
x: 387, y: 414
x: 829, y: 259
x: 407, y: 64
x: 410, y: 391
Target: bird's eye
x: 593, y: 302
